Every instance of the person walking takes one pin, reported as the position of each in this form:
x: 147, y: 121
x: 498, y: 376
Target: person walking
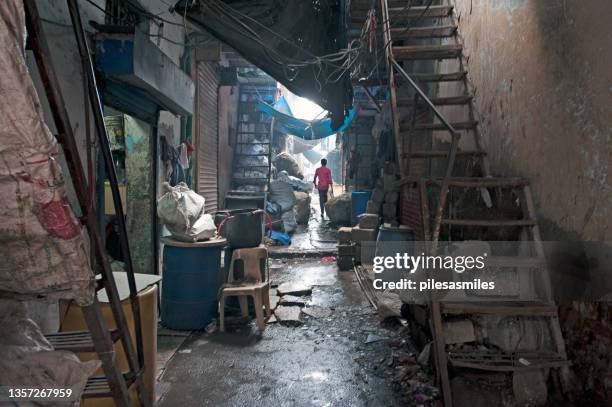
x: 324, y: 176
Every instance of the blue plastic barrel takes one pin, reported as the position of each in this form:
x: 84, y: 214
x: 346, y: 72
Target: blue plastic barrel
x: 359, y: 204
x: 192, y: 277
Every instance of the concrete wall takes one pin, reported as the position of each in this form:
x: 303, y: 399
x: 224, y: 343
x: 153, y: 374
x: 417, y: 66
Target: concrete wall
x: 543, y: 85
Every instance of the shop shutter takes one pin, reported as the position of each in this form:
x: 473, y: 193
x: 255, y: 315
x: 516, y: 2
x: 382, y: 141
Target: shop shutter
x: 207, y: 134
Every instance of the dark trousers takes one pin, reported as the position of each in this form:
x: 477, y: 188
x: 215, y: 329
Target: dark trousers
x: 322, y: 200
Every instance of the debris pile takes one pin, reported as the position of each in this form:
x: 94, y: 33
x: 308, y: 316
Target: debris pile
x: 288, y: 302
x: 289, y: 198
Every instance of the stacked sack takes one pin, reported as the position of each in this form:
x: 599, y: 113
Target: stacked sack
x: 385, y: 196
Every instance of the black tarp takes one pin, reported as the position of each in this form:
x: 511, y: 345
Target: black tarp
x: 283, y: 37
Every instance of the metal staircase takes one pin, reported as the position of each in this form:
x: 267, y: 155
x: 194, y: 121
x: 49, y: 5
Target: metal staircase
x: 418, y: 39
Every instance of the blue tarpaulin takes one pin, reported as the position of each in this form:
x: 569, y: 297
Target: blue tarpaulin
x: 305, y: 129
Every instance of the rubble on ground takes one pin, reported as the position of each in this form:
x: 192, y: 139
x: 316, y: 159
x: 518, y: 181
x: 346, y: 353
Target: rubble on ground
x: 288, y: 315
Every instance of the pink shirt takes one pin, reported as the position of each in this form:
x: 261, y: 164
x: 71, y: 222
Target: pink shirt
x: 325, y: 178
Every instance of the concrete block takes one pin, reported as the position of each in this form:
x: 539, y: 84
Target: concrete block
x: 293, y: 289
x: 392, y: 197
x: 373, y: 207
x: 369, y: 221
x: 459, y: 331
x: 292, y: 300
x: 345, y: 263
x: 344, y: 235
x: 389, y: 210
x: 288, y: 315
x: 364, y: 235
x: 378, y: 195
x: 346, y: 249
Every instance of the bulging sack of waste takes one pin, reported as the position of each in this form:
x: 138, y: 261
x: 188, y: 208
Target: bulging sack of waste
x: 181, y: 210
x: 282, y: 194
x: 296, y: 183
x: 289, y: 222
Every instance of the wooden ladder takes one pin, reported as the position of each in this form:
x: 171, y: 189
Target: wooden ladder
x: 98, y: 338
x: 441, y: 33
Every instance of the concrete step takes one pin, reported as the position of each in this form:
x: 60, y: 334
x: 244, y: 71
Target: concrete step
x: 439, y: 31
x: 469, y: 125
x: 426, y: 52
x: 443, y: 101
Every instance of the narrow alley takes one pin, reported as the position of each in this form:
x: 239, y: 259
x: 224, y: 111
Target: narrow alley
x: 337, y: 354
x: 335, y: 203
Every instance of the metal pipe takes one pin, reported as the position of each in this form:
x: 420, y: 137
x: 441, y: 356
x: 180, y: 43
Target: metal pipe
x: 94, y: 97
x: 422, y: 94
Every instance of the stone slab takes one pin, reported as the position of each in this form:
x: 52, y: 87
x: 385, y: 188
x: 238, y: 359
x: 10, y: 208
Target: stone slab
x: 288, y: 315
x: 293, y: 289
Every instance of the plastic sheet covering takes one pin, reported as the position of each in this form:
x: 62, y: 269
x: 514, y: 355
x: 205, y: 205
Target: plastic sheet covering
x: 42, y: 244
x: 27, y: 359
x: 305, y: 129
x: 283, y: 38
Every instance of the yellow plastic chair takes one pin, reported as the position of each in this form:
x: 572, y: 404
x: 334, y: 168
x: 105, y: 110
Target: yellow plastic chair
x: 251, y: 284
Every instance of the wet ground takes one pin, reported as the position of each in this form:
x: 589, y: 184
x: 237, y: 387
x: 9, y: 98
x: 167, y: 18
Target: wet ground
x: 344, y: 358
x: 320, y: 236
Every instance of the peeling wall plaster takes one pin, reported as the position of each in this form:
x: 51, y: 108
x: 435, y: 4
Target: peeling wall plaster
x: 543, y: 92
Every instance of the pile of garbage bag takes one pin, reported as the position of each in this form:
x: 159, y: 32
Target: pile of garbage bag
x: 181, y: 210
x: 289, y: 197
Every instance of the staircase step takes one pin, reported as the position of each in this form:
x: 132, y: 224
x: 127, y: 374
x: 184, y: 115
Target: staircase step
x: 358, y: 14
x: 444, y: 154
x: 482, y: 182
x: 441, y: 31
x: 502, y: 308
x: 422, y: 52
x: 500, y: 361
x: 75, y: 341
x: 438, y: 77
x: 418, y: 11
x: 489, y: 223
x: 469, y: 125
x: 445, y: 101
